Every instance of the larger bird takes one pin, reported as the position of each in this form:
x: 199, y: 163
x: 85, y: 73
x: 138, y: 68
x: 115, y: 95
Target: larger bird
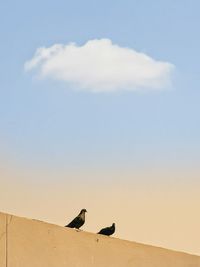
x: 78, y: 221
x: 108, y: 230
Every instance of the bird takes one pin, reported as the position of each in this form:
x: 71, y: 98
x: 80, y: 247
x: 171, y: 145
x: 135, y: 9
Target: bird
x: 78, y: 221
x: 108, y: 230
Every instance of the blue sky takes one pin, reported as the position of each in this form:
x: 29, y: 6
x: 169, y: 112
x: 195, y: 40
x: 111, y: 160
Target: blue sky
x: 45, y: 122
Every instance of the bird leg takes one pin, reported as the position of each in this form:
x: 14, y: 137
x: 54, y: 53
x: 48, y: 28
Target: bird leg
x: 78, y: 230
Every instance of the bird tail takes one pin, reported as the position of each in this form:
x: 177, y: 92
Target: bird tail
x: 69, y: 225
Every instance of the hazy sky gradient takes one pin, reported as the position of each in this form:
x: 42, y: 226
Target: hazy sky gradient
x: 132, y: 156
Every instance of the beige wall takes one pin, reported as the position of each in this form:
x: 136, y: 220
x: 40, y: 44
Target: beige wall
x: 31, y: 243
x: 2, y: 240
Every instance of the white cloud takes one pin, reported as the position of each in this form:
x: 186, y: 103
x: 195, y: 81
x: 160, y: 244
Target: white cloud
x: 99, y: 65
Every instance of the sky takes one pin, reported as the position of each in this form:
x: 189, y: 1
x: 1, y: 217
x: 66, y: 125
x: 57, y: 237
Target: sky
x: 101, y: 100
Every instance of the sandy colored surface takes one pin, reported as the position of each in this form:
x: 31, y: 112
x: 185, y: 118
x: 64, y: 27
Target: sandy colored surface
x: 32, y: 243
x: 2, y: 240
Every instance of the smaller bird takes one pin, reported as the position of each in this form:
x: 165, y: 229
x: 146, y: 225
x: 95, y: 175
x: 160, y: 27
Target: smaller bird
x: 78, y: 221
x: 108, y: 230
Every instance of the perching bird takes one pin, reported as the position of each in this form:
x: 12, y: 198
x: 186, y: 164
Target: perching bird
x: 78, y: 221
x: 108, y: 230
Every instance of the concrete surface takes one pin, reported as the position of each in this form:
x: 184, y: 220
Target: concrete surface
x: 2, y: 240
x: 31, y: 243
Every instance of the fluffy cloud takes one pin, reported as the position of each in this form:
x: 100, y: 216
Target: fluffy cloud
x: 99, y: 65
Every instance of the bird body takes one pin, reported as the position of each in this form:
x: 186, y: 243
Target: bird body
x: 108, y: 230
x: 78, y: 221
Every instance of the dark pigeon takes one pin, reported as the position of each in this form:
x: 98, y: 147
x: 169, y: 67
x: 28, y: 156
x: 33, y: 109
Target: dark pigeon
x: 78, y: 221
x: 108, y: 230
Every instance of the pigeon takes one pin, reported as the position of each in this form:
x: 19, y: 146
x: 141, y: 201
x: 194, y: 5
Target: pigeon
x: 108, y: 230
x: 78, y: 221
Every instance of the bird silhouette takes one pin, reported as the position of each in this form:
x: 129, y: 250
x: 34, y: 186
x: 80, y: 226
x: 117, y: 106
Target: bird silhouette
x: 78, y: 221
x: 108, y: 230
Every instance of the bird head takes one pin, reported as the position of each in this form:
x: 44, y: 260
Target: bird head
x: 113, y: 225
x: 83, y: 210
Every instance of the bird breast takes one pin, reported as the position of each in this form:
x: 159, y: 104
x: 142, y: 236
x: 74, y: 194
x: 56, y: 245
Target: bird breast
x: 82, y: 216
